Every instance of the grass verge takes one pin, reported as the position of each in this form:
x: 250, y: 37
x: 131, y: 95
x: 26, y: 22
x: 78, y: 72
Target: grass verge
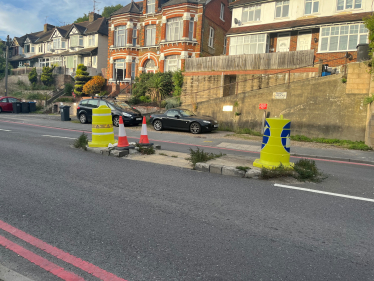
x: 198, y: 155
x: 303, y: 170
x: 240, y: 131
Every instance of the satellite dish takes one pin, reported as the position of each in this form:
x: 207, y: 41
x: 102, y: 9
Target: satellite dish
x: 236, y: 21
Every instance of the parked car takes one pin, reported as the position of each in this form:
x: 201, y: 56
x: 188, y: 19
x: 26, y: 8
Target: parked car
x: 6, y: 103
x: 183, y: 119
x: 130, y: 115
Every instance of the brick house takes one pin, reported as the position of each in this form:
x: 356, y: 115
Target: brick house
x: 69, y: 45
x: 332, y: 28
x: 159, y: 35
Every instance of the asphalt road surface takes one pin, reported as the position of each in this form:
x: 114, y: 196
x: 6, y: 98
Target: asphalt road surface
x: 67, y: 213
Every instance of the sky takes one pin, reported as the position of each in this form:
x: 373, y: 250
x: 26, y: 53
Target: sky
x: 19, y: 17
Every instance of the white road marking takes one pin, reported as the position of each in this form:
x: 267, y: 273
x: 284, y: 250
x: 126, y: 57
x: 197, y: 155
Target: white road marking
x: 58, y: 137
x: 324, y: 192
x: 5, y: 130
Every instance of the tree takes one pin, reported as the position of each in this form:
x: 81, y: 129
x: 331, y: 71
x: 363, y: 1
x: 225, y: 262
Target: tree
x: 369, y: 23
x: 2, y: 60
x: 81, y: 78
x: 33, y: 76
x: 82, y: 19
x: 157, y: 88
x: 47, y: 75
x: 178, y: 83
x: 94, y: 86
x: 108, y: 10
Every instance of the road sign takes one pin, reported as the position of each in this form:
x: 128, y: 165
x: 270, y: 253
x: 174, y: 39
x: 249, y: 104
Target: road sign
x: 263, y: 106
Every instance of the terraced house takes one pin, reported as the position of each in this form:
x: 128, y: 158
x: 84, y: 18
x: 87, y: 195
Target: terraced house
x: 78, y: 43
x: 330, y: 27
x: 158, y: 35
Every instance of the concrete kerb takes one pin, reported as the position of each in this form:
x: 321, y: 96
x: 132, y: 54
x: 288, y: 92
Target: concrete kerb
x: 227, y: 170
x: 333, y: 158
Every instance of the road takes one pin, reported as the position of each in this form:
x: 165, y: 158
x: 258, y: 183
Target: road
x: 142, y: 221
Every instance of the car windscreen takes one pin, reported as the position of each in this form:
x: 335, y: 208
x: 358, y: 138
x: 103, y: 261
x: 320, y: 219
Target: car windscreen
x: 121, y: 104
x: 187, y: 113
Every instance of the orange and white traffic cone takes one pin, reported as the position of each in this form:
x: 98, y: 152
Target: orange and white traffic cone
x: 123, y: 143
x: 144, y: 135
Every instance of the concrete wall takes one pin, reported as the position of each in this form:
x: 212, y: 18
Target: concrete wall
x: 318, y: 107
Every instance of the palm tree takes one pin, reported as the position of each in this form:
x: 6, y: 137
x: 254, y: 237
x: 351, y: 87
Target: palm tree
x: 156, y: 88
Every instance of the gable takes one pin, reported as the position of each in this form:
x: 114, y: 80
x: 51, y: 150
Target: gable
x: 27, y: 41
x: 74, y: 31
x: 55, y: 34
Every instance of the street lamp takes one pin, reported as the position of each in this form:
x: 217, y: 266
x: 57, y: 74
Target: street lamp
x: 6, y: 64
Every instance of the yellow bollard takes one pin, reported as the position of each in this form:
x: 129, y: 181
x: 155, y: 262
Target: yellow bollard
x: 275, y: 144
x: 102, y: 127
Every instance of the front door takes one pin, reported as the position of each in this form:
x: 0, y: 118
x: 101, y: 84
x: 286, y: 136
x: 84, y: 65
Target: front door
x: 283, y: 42
x: 304, y: 41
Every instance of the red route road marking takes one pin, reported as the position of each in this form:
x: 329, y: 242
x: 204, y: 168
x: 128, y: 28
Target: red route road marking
x: 66, y: 257
x: 39, y: 261
x: 221, y: 148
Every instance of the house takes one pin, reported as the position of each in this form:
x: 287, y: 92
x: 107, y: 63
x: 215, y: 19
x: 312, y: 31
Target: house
x: 78, y: 43
x: 159, y: 35
x: 331, y: 28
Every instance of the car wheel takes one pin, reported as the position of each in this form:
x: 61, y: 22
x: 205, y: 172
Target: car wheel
x: 116, y: 121
x: 83, y: 118
x: 195, y: 128
x: 157, y: 125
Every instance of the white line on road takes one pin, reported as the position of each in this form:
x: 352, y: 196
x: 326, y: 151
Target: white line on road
x: 324, y: 192
x: 58, y: 137
x: 5, y: 130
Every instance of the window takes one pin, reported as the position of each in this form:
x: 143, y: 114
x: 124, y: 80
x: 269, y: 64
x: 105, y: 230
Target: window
x: 134, y: 36
x: 282, y: 8
x: 56, y: 61
x: 250, y: 44
x: 120, y: 36
x: 44, y: 62
x: 211, y: 37
x: 311, y: 6
x: 119, y: 70
x: 150, y: 35
x: 56, y: 43
x: 76, y: 41
x: 190, y: 29
x: 342, y: 38
x: 174, y: 29
x: 48, y: 47
x: 32, y: 49
x: 222, y: 12
x: 172, y: 63
x: 133, y: 66
x: 151, y: 6
x: 92, y: 103
x: 224, y: 45
x: 251, y: 13
x: 94, y: 61
x: 27, y: 49
x: 349, y: 4
x: 41, y: 48
x: 172, y: 113
x: 91, y: 40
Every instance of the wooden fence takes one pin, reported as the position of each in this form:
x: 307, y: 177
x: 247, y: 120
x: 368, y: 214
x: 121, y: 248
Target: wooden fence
x: 248, y: 62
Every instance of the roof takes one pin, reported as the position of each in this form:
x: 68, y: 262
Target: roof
x: 241, y: 2
x: 86, y: 28
x: 86, y: 51
x: 299, y: 23
x: 132, y: 8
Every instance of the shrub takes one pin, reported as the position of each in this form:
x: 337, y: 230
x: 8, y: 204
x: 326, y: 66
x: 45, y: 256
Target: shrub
x: 243, y: 168
x: 147, y: 150
x: 65, y: 99
x: 81, y: 78
x: 47, y: 77
x: 172, y: 103
x: 94, y: 86
x: 197, y: 156
x: 145, y: 99
x: 33, y: 76
x: 277, y: 172
x: 368, y: 100
x: 68, y: 89
x: 81, y: 142
x: 178, y: 83
x: 37, y: 96
x: 307, y: 171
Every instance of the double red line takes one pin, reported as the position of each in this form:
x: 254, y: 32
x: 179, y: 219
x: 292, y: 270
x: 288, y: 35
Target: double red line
x: 47, y: 265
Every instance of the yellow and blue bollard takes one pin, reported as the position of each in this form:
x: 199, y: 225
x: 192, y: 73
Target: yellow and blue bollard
x: 276, y: 144
x: 102, y: 127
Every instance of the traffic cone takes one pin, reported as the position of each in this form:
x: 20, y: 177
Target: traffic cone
x: 123, y: 143
x: 144, y: 135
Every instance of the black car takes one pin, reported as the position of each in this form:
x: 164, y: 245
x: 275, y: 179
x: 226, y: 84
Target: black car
x: 183, y: 119
x: 130, y: 115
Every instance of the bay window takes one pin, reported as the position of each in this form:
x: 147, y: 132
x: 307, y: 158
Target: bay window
x: 151, y: 6
x: 150, y: 35
x: 190, y: 29
x: 119, y: 70
x: 311, y: 6
x: 251, y: 13
x: 120, y: 36
x: 349, y: 4
x: 174, y: 29
x: 250, y: 44
x: 134, y: 36
x: 282, y: 8
x: 172, y: 63
x: 342, y: 38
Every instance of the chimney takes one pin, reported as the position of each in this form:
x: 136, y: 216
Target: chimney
x: 48, y: 27
x: 93, y: 16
